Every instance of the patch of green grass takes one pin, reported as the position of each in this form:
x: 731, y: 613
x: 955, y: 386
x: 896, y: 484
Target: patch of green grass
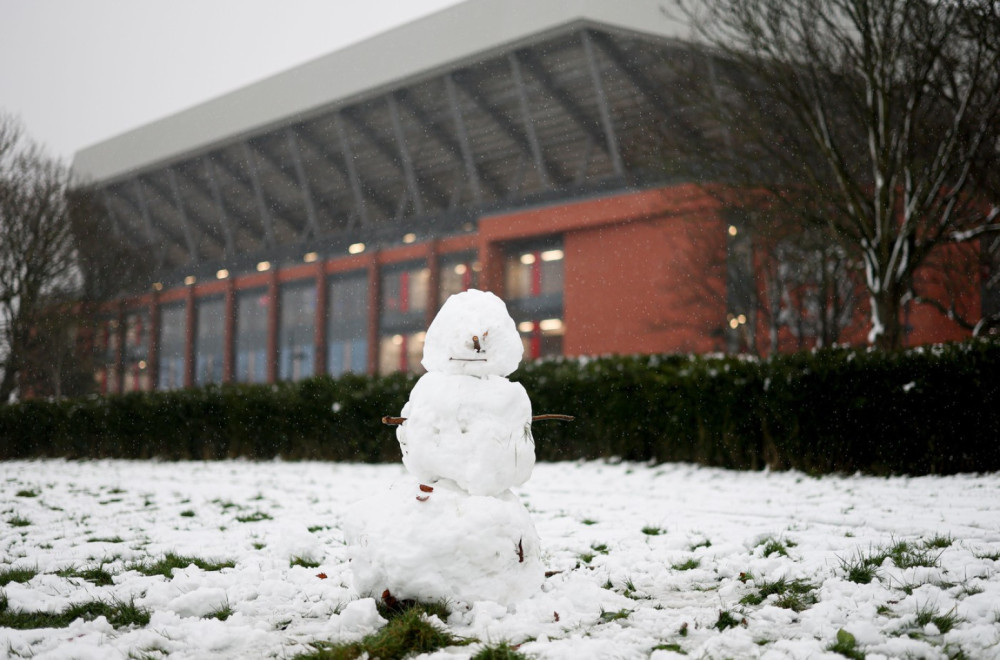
x: 907, y: 555
x: 256, y: 516
x: 501, y: 651
x: 587, y: 557
x: 653, y: 531
x: 671, y: 646
x: 588, y: 521
x: 166, y: 566
x: 943, y: 622
x: 97, y: 576
x: 27, y: 493
x: 600, y: 548
x: 118, y: 614
x: 992, y: 556
x: 728, y: 620
x: 408, y: 633
x: 687, y: 565
x: 317, y: 528
x: 105, y: 539
x: 939, y: 542
x: 18, y: 521
x: 11, y: 574
x: 188, y: 514
x: 304, y: 562
x: 773, y: 546
x: 795, y: 595
x: 846, y: 646
x: 701, y: 544
x: 222, y: 613
x: 608, y: 617
x: 860, y: 569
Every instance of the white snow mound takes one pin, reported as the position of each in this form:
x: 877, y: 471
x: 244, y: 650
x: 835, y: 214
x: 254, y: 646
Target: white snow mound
x: 451, y: 547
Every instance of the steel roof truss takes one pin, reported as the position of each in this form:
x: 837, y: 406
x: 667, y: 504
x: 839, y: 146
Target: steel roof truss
x: 607, y: 123
x: 189, y: 239
x: 464, y: 145
x: 213, y: 183
x: 529, y: 124
x: 258, y: 191
x: 466, y: 81
x: 284, y: 211
x: 360, y: 205
x: 404, y: 154
x: 214, y: 232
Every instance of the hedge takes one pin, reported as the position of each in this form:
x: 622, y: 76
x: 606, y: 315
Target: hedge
x: 930, y: 410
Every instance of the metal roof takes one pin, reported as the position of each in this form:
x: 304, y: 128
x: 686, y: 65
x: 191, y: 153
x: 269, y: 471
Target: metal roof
x: 489, y: 104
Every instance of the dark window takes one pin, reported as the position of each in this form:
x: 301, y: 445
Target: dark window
x: 297, y: 331
x: 172, y: 339
x: 251, y: 335
x: 209, y: 345
x: 347, y: 325
x: 137, y: 351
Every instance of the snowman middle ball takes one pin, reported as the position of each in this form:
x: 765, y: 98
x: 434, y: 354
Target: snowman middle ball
x: 473, y: 431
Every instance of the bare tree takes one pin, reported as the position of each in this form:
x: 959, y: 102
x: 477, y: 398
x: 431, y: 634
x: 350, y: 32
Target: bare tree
x: 878, y: 119
x: 37, y: 257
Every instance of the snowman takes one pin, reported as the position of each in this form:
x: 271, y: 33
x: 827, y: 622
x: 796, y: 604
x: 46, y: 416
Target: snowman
x: 452, y: 530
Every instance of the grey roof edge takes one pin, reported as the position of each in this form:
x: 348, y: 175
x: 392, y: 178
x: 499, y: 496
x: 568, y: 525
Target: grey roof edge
x: 472, y: 27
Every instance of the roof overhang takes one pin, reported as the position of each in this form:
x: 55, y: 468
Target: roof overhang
x: 467, y: 31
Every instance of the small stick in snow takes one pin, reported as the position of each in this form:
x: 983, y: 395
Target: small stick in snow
x: 520, y: 552
x: 396, y: 421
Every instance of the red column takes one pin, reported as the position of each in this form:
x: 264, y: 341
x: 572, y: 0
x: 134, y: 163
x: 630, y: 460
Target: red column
x: 273, y: 326
x: 118, y: 384
x: 374, y: 307
x: 153, y: 358
x: 433, y: 282
x: 189, y: 337
x: 319, y: 339
x: 229, y: 334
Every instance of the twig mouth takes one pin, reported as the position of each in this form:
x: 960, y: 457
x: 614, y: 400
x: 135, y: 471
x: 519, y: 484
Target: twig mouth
x: 467, y: 359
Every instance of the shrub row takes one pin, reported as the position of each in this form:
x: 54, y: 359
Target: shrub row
x: 931, y: 410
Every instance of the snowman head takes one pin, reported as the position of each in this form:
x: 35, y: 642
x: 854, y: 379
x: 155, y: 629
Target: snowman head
x: 473, y: 335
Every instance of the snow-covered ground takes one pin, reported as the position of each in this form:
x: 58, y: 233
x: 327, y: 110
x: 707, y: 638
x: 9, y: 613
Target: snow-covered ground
x: 647, y: 560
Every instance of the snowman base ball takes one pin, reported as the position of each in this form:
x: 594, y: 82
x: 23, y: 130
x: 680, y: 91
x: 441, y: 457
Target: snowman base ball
x: 446, y: 546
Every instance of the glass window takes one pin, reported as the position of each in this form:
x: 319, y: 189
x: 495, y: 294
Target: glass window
x: 210, y: 340
x: 347, y: 325
x: 172, y: 339
x: 252, y: 308
x: 404, y: 317
x: 137, y: 351
x: 106, y: 347
x: 401, y: 352
x: 533, y: 278
x: 458, y: 272
x: 296, y: 334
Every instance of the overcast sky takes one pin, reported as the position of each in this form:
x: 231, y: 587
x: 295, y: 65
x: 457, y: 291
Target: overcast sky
x: 80, y: 71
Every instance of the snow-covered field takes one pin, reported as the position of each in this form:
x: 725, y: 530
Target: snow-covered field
x: 665, y: 561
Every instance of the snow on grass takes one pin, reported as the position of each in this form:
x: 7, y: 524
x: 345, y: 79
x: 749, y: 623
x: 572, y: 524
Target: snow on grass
x: 240, y: 559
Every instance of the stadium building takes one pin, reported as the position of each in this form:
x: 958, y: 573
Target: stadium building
x: 313, y: 222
